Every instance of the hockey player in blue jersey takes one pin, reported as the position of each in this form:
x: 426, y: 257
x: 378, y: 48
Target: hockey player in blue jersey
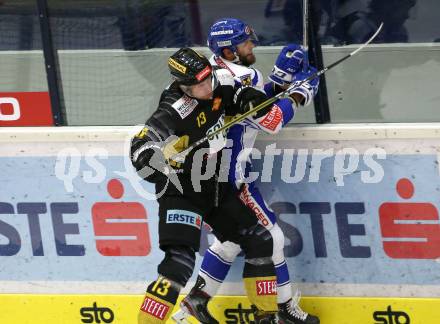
x: 232, y: 43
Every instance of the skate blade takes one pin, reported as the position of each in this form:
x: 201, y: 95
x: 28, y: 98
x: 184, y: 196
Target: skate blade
x: 181, y: 317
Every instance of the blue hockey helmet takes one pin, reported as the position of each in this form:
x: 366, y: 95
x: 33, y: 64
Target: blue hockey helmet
x: 228, y: 33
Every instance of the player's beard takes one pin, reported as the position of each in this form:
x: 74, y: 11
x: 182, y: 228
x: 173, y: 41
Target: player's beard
x: 248, y: 59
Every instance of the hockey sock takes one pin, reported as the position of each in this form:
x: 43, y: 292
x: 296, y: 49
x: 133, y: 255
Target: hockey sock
x: 213, y: 270
x: 284, y: 288
x: 159, y: 301
x: 260, y: 285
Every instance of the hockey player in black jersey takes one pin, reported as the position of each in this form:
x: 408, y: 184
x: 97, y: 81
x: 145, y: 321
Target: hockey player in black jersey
x: 192, y: 107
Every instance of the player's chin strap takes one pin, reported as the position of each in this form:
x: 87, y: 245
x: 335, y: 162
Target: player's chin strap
x: 270, y: 101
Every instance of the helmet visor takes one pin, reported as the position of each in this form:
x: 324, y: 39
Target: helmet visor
x: 252, y: 36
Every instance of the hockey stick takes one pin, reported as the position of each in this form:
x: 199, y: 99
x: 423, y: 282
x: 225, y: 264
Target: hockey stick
x: 305, y: 63
x: 305, y: 23
x: 270, y: 101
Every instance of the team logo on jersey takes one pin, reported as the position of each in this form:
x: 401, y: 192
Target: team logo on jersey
x: 154, y: 308
x: 246, y: 80
x: 184, y: 217
x: 176, y: 65
x: 184, y: 106
x: 272, y: 119
x: 216, y: 104
x: 217, y: 141
x: 266, y: 287
x: 246, y: 197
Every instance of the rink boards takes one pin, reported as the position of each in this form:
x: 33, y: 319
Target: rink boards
x: 358, y: 205
x: 72, y: 309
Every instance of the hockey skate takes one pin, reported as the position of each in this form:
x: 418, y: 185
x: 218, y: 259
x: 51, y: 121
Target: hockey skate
x: 261, y: 317
x: 290, y: 313
x: 196, y: 305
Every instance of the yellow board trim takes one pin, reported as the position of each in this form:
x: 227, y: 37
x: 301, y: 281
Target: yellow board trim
x: 65, y: 309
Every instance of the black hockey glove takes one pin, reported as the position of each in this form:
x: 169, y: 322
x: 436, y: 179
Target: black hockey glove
x: 149, y: 162
x: 247, y: 98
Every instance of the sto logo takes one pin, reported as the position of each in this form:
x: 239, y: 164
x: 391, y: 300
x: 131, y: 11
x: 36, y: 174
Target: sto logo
x: 409, y: 230
x: 120, y: 219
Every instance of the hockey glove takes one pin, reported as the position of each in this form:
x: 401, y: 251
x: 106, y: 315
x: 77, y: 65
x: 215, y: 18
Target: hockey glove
x: 292, y: 59
x: 153, y: 162
x: 308, y: 89
x: 174, y: 145
x: 149, y: 162
x: 247, y: 98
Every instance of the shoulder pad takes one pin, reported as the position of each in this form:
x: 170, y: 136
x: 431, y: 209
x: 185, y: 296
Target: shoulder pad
x: 177, y: 103
x: 224, y: 77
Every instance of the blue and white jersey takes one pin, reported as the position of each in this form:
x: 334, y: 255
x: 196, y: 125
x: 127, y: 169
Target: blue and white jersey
x: 243, y: 135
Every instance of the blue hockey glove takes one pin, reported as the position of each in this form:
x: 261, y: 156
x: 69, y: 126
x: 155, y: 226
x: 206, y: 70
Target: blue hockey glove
x: 308, y: 89
x: 292, y: 59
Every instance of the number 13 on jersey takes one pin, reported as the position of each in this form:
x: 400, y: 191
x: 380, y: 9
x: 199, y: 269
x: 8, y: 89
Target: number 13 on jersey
x: 201, y: 119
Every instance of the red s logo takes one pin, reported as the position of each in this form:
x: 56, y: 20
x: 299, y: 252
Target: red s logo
x: 120, y: 219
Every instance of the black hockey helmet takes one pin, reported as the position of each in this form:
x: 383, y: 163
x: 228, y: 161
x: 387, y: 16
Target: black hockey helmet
x: 189, y: 67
